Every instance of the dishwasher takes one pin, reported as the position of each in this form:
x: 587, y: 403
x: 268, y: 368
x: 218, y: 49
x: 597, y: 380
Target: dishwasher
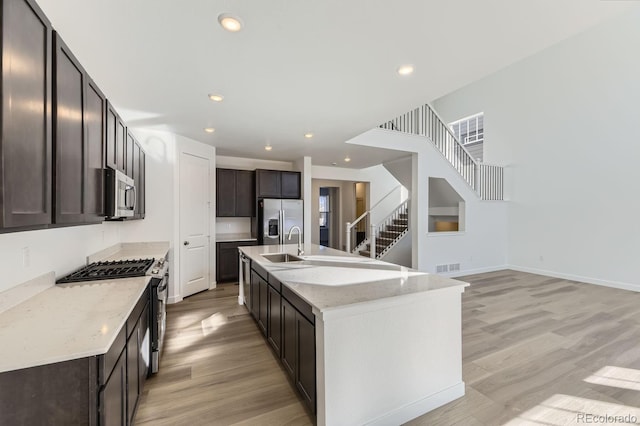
x: 245, y: 279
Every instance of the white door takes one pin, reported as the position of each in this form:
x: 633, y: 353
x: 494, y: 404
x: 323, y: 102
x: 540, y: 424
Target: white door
x: 194, y: 224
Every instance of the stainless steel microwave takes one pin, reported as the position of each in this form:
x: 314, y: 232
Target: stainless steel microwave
x: 121, y: 195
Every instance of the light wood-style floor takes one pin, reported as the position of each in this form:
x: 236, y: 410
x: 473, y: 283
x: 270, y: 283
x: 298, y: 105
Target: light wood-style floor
x: 536, y: 351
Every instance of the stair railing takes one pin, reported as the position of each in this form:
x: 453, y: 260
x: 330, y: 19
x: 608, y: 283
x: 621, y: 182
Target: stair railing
x: 390, y: 220
x: 362, y: 225
x: 424, y: 121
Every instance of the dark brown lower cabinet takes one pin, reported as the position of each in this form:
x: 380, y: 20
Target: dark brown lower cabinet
x: 228, y: 260
x: 113, y: 396
x: 255, y: 295
x: 274, y: 329
x: 289, y: 326
x: 263, y: 309
x: 98, y: 390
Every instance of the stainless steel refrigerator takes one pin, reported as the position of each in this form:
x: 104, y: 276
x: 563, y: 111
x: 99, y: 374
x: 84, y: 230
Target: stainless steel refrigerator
x: 275, y: 219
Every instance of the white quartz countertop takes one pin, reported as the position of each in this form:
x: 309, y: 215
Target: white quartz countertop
x: 66, y: 322
x: 329, y: 278
x: 240, y: 236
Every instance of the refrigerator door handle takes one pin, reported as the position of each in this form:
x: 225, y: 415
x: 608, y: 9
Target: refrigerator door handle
x: 282, y: 227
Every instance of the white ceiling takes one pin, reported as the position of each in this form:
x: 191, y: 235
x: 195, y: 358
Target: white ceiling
x: 327, y: 67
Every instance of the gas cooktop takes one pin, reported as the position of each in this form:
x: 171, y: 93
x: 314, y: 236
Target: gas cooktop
x: 109, y: 270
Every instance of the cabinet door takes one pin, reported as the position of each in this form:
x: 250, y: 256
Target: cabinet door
x: 290, y: 184
x: 68, y: 141
x: 228, y: 265
x: 268, y: 184
x: 274, y: 330
x: 306, y: 374
x: 113, y: 403
x: 245, y: 193
x: 255, y: 294
x: 264, y: 306
x: 225, y: 192
x: 133, y: 375
x: 142, y: 191
x: 111, y: 154
x: 130, y: 146
x: 289, y: 339
x: 135, y: 167
x: 25, y: 166
x: 95, y: 127
x: 121, y: 138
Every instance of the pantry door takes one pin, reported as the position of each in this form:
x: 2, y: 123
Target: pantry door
x: 194, y: 224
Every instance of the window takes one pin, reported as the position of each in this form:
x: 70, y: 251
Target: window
x: 469, y: 130
x: 324, y: 210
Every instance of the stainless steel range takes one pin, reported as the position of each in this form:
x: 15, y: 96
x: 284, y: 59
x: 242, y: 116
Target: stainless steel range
x: 159, y: 272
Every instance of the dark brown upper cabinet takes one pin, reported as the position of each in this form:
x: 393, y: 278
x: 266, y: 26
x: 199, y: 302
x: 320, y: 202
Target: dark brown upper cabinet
x: 235, y: 193
x: 290, y: 184
x: 116, y: 140
x: 277, y: 184
x: 95, y: 127
x: 78, y: 141
x: 25, y: 147
x: 137, y: 179
x: 142, y: 190
x: 130, y: 147
x: 69, y: 147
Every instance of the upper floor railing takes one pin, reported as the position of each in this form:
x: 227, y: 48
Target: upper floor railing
x: 485, y: 180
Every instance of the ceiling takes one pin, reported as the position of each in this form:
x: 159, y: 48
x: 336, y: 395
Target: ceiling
x: 326, y: 67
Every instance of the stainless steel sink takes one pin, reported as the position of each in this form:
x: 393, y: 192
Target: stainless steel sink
x: 281, y: 257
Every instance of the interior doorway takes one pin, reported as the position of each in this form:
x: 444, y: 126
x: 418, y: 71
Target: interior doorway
x: 361, y: 208
x: 328, y: 214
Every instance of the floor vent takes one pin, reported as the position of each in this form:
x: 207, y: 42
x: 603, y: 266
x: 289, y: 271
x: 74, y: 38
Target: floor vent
x: 442, y: 268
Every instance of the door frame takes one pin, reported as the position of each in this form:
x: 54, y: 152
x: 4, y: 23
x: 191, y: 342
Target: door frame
x: 187, y: 146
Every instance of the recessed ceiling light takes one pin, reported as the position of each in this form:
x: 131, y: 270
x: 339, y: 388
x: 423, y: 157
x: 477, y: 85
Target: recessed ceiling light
x: 405, y: 70
x: 216, y: 98
x: 229, y: 22
x: 308, y: 135
x: 209, y: 129
x: 347, y: 159
x: 268, y: 147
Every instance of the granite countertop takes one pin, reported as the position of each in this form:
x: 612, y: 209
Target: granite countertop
x: 67, y: 321
x: 241, y: 236
x: 330, y: 279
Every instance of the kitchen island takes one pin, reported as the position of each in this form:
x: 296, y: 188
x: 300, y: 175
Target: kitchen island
x: 388, y: 345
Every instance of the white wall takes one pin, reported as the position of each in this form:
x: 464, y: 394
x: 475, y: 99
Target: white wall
x: 565, y: 124
x: 62, y: 250
x: 483, y: 245
x: 241, y: 163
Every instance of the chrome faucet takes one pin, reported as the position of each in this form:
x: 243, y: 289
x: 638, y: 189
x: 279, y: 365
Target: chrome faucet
x: 293, y: 228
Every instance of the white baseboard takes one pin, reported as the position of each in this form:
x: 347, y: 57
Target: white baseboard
x: 572, y: 277
x: 174, y: 299
x: 418, y: 408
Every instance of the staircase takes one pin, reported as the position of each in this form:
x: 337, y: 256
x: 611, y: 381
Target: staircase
x: 384, y: 235
x: 388, y: 237
x: 485, y: 179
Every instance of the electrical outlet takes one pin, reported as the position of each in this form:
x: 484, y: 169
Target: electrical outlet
x: 26, y: 257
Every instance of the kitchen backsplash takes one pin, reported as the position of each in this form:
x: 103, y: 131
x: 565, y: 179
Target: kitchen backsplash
x: 233, y: 225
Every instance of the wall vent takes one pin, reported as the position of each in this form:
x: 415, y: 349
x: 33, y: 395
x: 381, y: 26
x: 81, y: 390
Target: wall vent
x: 454, y: 267
x: 442, y: 268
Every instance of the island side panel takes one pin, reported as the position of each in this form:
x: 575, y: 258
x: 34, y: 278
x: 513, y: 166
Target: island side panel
x: 391, y: 363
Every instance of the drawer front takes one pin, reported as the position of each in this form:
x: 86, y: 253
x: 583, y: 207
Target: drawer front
x: 137, y: 310
x: 273, y: 282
